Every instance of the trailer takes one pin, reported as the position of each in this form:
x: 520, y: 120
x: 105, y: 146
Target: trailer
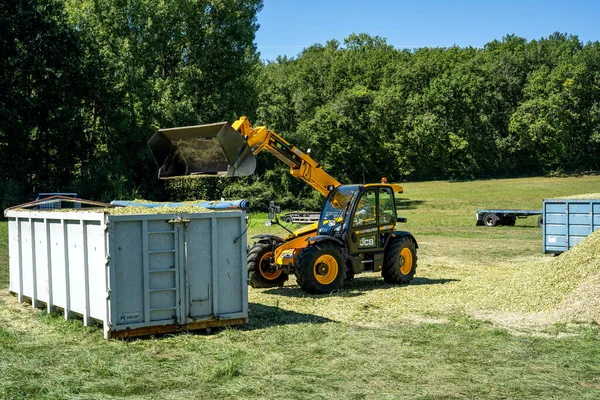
x: 495, y: 217
x: 568, y: 221
x: 301, y: 217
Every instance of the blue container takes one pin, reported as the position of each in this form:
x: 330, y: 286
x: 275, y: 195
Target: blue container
x: 568, y: 221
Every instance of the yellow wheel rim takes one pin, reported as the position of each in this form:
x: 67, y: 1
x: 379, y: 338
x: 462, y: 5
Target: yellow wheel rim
x: 406, y: 261
x: 326, y: 269
x: 268, y: 275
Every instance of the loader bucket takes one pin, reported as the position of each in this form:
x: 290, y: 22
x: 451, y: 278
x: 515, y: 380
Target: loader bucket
x: 202, y: 150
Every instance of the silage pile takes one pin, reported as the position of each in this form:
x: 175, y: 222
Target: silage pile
x: 582, y: 303
x: 565, y: 289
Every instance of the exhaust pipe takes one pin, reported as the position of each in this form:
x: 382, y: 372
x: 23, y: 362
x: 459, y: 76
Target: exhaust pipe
x: 202, y: 150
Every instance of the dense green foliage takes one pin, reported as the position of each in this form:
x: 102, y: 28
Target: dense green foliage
x: 86, y: 82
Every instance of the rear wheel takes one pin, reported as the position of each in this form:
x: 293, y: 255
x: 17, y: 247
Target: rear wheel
x: 261, y: 272
x: 321, y: 269
x: 490, y: 219
x: 288, y: 219
x: 540, y: 221
x: 400, y: 261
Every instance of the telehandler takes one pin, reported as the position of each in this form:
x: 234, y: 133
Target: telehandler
x: 356, y: 229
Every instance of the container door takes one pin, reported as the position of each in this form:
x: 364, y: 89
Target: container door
x: 215, y: 260
x: 199, y: 260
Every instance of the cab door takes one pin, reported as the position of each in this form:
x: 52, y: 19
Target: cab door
x: 387, y: 216
x: 374, y: 217
x: 363, y: 224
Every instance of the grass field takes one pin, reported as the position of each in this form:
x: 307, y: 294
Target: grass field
x: 475, y: 323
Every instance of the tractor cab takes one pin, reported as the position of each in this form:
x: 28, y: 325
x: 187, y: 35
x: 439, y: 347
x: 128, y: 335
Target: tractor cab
x: 335, y: 210
x: 363, y: 217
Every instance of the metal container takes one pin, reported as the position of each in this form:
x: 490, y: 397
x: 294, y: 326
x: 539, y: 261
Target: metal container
x: 136, y: 274
x: 568, y: 221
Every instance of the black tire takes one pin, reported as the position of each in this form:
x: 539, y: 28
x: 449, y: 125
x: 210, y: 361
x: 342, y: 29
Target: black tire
x: 540, y: 221
x: 288, y: 219
x: 400, y: 261
x: 259, y: 274
x: 321, y: 269
x: 490, y: 219
x: 509, y: 221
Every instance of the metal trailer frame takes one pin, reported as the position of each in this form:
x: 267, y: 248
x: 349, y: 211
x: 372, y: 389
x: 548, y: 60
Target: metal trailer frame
x: 495, y: 217
x: 302, y: 217
x: 68, y: 260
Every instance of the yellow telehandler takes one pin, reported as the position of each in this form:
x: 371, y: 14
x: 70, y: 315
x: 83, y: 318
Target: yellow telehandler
x: 356, y: 229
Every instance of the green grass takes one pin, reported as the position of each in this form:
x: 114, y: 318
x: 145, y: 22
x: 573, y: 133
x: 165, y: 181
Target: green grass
x: 371, y: 340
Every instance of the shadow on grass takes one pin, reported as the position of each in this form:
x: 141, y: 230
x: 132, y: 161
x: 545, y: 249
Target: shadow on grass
x: 427, y: 281
x: 535, y: 227
x: 262, y: 316
x: 408, y: 204
x: 501, y: 228
x: 355, y: 287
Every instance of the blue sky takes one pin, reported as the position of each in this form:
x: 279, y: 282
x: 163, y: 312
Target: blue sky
x: 288, y: 26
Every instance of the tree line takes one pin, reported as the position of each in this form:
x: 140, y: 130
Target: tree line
x: 85, y: 83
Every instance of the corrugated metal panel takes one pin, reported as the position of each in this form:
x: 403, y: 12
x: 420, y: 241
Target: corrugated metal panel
x: 568, y: 222
x: 137, y: 274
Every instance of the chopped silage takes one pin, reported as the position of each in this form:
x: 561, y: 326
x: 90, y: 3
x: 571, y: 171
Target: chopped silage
x: 187, y: 207
x: 519, y: 294
x: 157, y: 210
x: 562, y: 290
x: 129, y: 210
x: 542, y: 286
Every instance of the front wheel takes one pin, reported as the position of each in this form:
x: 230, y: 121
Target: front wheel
x: 321, y: 269
x: 261, y: 272
x: 400, y: 261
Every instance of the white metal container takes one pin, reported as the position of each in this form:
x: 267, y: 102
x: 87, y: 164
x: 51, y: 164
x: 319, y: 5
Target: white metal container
x: 136, y: 274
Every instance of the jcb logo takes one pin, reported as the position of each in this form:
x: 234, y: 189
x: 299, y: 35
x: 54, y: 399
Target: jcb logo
x: 368, y: 241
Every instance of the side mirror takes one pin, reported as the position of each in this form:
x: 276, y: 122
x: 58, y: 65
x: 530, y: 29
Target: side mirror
x: 273, y: 209
x: 268, y: 222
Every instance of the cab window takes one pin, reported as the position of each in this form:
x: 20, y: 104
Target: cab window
x: 386, y: 206
x: 366, y: 210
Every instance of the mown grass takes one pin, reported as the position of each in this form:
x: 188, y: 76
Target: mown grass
x: 370, y: 340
